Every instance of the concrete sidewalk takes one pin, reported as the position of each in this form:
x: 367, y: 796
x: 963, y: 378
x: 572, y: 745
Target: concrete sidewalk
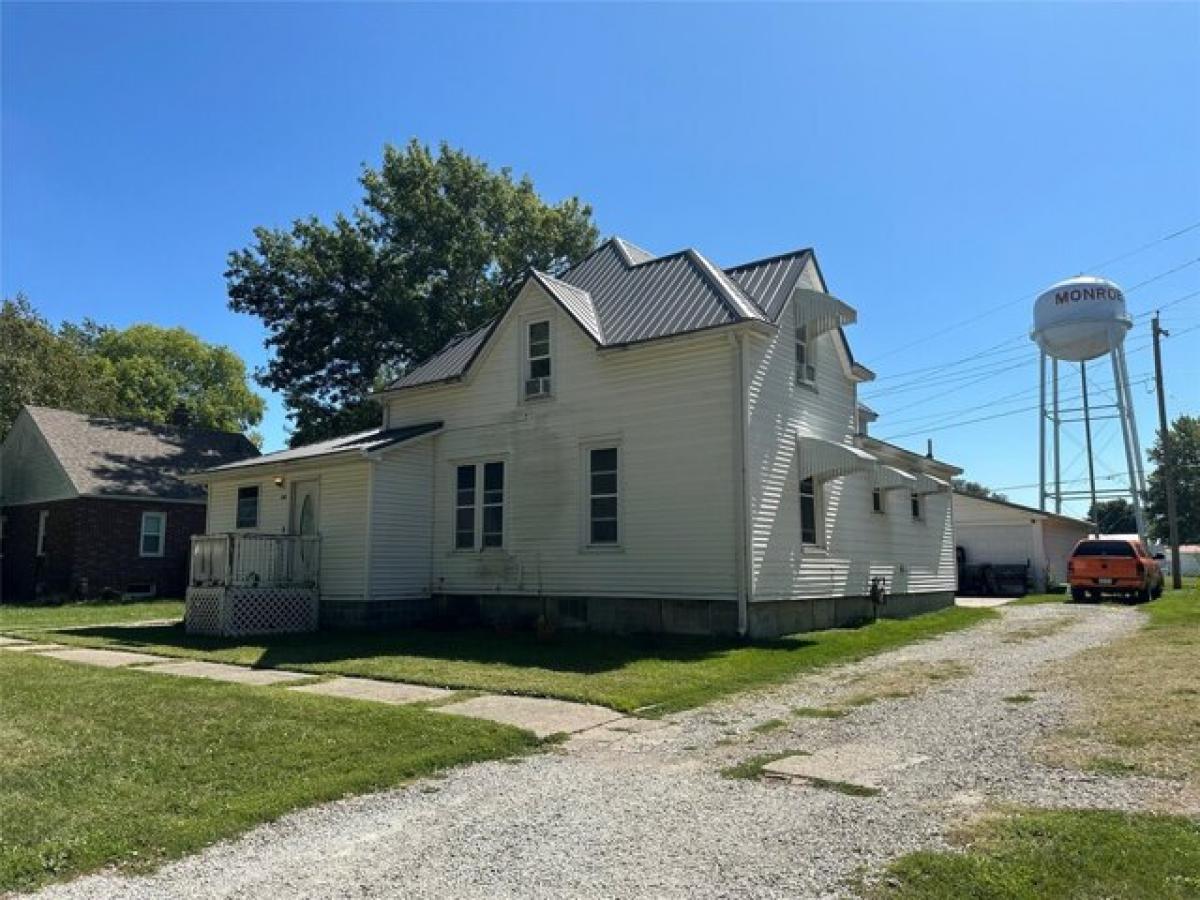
x: 542, y: 716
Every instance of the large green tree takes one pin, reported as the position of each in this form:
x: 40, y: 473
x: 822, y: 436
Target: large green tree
x: 438, y: 245
x: 144, y: 372
x: 975, y: 489
x: 1114, y: 516
x: 1185, y: 454
x: 43, y: 367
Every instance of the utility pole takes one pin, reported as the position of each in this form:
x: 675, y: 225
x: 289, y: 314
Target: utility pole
x: 1168, y: 461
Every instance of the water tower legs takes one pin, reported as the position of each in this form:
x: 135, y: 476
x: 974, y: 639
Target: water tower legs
x: 1133, y: 449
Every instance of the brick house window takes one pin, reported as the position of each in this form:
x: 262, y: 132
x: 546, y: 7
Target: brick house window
x: 43, y: 518
x: 153, y: 536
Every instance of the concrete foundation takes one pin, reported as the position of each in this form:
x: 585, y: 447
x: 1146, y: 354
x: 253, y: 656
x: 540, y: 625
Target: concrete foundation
x: 620, y: 615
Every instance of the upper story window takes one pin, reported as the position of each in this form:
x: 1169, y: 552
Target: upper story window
x: 537, y: 362
x: 603, y: 497
x: 153, y: 536
x: 877, y: 500
x: 918, y: 506
x: 810, y: 498
x: 479, y: 506
x: 247, y: 506
x: 806, y: 360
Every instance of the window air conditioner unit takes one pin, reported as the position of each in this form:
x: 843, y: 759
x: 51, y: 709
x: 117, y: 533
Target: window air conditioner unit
x: 537, y: 387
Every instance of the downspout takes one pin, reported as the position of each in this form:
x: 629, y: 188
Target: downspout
x: 743, y: 554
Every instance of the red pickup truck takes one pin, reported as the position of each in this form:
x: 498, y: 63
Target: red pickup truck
x: 1113, y: 566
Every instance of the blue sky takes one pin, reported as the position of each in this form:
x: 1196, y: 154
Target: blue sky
x: 946, y: 162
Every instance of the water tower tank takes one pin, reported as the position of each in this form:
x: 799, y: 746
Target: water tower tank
x: 1080, y: 318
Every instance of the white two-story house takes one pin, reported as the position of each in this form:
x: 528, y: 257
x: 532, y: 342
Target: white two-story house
x: 644, y: 444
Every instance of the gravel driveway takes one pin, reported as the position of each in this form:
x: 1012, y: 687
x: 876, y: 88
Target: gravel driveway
x: 644, y: 812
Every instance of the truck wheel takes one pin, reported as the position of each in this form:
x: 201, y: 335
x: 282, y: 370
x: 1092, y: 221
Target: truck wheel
x: 1142, y: 596
x: 1158, y: 591
x: 1079, y: 595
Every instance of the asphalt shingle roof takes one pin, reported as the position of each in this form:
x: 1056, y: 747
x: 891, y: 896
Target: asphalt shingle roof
x: 114, y: 458
x: 621, y: 294
x: 363, y: 441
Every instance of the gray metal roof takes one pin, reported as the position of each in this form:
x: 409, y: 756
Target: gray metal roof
x: 449, y: 362
x: 771, y: 281
x: 621, y: 294
x: 363, y: 441
x: 113, y: 458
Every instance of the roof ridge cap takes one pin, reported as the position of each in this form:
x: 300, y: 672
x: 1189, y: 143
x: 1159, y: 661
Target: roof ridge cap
x: 769, y: 259
x: 743, y: 307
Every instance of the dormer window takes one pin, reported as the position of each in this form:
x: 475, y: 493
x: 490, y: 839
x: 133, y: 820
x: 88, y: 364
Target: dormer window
x: 537, y: 364
x: 806, y: 362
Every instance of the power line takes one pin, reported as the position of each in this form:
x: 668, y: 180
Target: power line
x: 1002, y: 347
x: 1027, y: 297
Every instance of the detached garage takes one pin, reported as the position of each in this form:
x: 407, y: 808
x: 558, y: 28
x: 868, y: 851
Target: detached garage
x: 1000, y: 533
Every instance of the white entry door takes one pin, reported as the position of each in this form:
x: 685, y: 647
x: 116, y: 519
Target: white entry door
x: 305, y: 521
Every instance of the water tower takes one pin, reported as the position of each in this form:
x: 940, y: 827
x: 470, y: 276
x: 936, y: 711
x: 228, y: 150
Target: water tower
x: 1075, y: 321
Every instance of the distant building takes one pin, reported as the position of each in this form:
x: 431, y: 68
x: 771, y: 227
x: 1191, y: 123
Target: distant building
x: 998, y: 532
x: 89, y: 504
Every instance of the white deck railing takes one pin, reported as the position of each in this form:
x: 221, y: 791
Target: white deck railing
x: 255, y: 560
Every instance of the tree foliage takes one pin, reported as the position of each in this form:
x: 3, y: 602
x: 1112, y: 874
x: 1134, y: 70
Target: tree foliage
x: 975, y: 489
x: 438, y: 245
x: 144, y: 372
x: 1185, y: 453
x: 1114, y: 517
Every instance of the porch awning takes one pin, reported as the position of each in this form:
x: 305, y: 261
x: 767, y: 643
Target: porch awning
x: 889, y: 478
x: 820, y: 312
x: 928, y: 484
x: 826, y: 459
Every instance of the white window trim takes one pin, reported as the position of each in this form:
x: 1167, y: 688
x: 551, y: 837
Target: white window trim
x: 43, y: 518
x: 818, y: 542
x: 237, y: 489
x: 477, y: 533
x: 162, y: 535
x: 527, y: 323
x: 585, y: 490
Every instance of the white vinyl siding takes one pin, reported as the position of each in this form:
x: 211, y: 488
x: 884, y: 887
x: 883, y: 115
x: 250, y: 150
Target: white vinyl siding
x: 668, y: 404
x: 341, y: 521
x: 152, y: 538
x: 401, y: 517
x: 857, y: 544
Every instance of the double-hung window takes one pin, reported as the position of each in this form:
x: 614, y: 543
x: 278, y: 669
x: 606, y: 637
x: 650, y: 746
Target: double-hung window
x: 479, y: 506
x: 806, y: 368
x: 153, y: 537
x: 877, y: 500
x: 537, y: 363
x: 603, y: 490
x: 809, y: 497
x: 247, y: 507
x: 918, y: 506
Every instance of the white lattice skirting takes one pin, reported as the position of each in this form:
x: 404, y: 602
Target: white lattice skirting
x: 236, y: 611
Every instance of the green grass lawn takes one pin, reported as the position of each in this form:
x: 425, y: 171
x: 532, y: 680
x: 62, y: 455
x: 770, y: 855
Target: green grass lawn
x: 101, y: 766
x: 14, y: 617
x: 1069, y: 855
x: 651, y: 674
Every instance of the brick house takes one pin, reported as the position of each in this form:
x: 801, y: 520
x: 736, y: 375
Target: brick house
x: 89, y: 505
